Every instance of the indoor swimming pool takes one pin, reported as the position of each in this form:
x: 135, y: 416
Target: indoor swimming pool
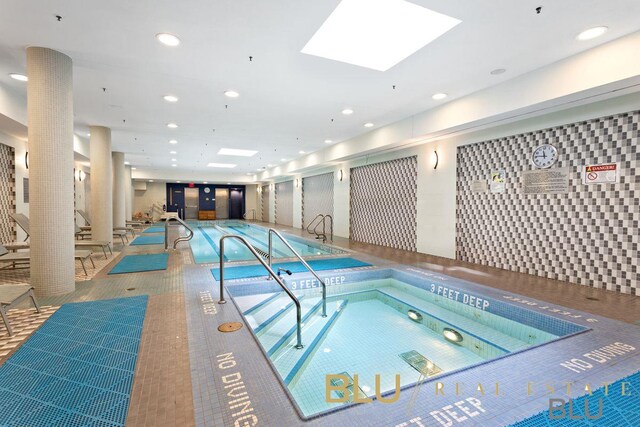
x: 384, y: 323
x: 205, y: 244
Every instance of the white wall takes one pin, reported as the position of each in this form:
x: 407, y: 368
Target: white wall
x: 156, y: 192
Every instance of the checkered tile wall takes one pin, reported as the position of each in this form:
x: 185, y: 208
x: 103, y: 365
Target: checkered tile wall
x: 284, y: 203
x: 590, y: 236
x: 264, y: 203
x: 383, y: 203
x: 7, y: 193
x: 317, y: 197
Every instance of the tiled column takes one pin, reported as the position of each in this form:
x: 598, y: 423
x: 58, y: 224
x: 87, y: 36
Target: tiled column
x: 128, y: 190
x: 119, y: 195
x: 101, y: 184
x: 50, y: 113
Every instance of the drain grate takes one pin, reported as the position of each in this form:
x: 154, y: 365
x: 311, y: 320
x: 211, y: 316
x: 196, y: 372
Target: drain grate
x: 230, y: 327
x: 420, y: 363
x: 339, y: 382
x: 593, y: 298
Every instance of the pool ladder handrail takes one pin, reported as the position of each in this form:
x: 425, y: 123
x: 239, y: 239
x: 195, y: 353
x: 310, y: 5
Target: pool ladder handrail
x: 322, y: 222
x: 179, y: 239
x: 312, y: 271
x: 253, y: 216
x: 271, y: 273
x: 309, y: 230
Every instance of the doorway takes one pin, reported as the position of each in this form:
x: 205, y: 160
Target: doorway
x: 191, y: 197
x: 222, y: 203
x: 236, y: 204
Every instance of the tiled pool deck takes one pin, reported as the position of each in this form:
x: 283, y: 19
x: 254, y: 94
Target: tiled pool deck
x: 189, y: 373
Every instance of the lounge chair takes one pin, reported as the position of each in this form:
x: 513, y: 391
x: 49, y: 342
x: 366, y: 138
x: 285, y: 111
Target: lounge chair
x: 12, y: 295
x: 16, y: 258
x: 23, y: 221
x: 85, y: 216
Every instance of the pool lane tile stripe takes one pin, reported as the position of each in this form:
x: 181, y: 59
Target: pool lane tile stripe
x: 140, y: 263
x: 247, y: 271
x: 213, y: 244
x: 77, y: 369
x: 275, y: 316
x: 617, y: 410
x: 290, y: 332
x: 256, y: 242
x: 151, y: 239
x: 311, y: 347
x: 262, y: 303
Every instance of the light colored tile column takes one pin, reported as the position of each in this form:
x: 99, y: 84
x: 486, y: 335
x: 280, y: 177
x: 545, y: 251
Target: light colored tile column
x: 50, y: 112
x: 101, y: 184
x: 119, y: 196
x: 128, y: 193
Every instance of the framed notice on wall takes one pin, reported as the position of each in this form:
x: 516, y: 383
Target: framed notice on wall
x: 497, y: 181
x: 607, y: 173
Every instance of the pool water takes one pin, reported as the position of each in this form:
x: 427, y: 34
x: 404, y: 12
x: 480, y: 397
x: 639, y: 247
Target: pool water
x: 368, y: 332
x: 205, y: 244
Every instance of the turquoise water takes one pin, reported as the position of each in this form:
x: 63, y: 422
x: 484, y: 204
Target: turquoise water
x: 206, y: 240
x: 366, y: 332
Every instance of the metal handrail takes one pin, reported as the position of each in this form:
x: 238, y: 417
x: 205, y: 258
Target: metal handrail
x: 179, y: 239
x: 271, y: 273
x: 324, y: 286
x: 250, y: 210
x: 330, y: 228
x: 311, y: 223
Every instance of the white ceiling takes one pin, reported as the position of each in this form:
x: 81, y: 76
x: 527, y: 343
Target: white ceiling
x: 287, y: 99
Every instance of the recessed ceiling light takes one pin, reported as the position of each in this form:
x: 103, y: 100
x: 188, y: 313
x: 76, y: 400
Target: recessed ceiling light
x: 19, y: 77
x: 174, y: 165
x: 439, y: 96
x: 236, y: 152
x: 172, y: 125
x: 89, y: 134
x: 301, y: 152
x: 347, y: 111
x: 168, y: 39
x: 170, y: 98
x: 150, y: 180
x: 173, y: 152
x: 178, y: 182
x: 228, y: 183
x: 221, y: 165
x: 231, y: 93
x: 368, y: 125
x: 283, y: 160
x: 127, y: 163
x: 328, y: 141
x: 498, y: 71
x: 173, y: 141
x: 173, y: 160
x: 133, y: 169
x: 205, y: 182
x: 378, y: 34
x: 249, y: 173
x: 269, y: 165
x: 592, y: 33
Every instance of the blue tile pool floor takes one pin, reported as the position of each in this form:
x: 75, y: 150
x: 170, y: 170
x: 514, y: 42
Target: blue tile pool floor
x: 246, y: 271
x: 77, y: 369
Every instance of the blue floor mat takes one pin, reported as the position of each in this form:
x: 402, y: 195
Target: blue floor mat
x: 245, y: 271
x: 148, y: 240
x: 617, y: 410
x: 77, y: 369
x: 154, y: 230
x: 139, y: 263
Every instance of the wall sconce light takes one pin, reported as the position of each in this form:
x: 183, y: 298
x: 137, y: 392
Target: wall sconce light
x: 26, y: 160
x: 297, y: 182
x: 341, y: 175
x: 435, y: 154
x: 80, y: 175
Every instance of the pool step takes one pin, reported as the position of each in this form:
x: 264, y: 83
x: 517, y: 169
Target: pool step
x: 260, y: 316
x: 279, y: 330
x: 290, y: 361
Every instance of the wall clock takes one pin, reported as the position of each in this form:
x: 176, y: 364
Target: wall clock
x: 207, y: 190
x: 544, y: 156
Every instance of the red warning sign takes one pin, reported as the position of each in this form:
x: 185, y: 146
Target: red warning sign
x: 607, y: 173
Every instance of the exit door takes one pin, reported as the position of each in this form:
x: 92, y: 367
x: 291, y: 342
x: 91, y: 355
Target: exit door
x: 236, y: 203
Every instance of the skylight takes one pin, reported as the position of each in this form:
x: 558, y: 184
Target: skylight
x: 221, y: 165
x: 377, y: 34
x: 236, y: 152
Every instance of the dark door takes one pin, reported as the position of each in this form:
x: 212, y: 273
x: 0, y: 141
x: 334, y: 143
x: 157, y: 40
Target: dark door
x: 236, y: 203
x: 176, y: 200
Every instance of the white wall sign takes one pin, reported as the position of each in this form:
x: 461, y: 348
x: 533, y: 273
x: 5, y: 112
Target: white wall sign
x: 548, y: 181
x: 606, y: 173
x: 498, y: 178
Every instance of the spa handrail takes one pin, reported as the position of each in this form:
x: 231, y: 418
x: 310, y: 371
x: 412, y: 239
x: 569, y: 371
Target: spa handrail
x: 271, y: 273
x: 270, y: 257
x: 324, y: 228
x: 250, y: 210
x: 311, y: 223
x: 179, y: 239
